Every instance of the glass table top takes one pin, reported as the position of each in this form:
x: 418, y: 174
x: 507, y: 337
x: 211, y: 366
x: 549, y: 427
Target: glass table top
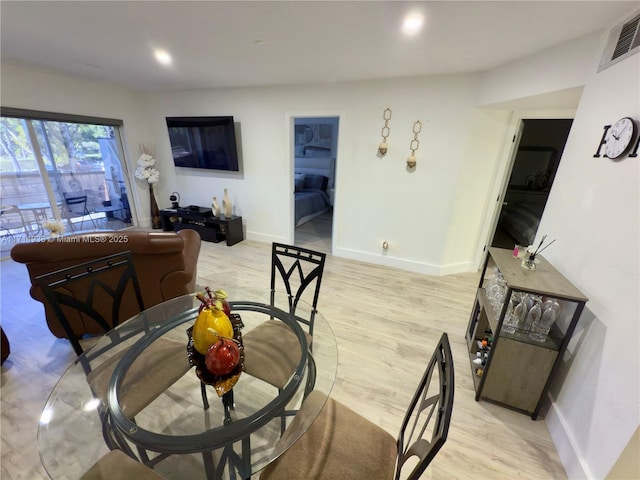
x: 175, y: 425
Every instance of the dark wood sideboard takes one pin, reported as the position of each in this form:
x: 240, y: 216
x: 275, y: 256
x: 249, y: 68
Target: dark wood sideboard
x: 200, y: 219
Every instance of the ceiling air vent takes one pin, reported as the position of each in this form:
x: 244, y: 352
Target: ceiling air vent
x: 624, y: 41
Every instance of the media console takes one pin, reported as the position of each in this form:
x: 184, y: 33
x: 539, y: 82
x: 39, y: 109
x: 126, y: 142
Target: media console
x: 210, y: 228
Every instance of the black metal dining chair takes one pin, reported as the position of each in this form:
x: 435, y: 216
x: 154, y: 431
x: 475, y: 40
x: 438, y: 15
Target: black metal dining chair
x: 341, y: 443
x: 92, y: 292
x: 83, y: 293
x: 76, y: 207
x: 272, y: 350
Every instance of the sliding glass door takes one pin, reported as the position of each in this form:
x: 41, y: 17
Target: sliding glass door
x: 60, y: 167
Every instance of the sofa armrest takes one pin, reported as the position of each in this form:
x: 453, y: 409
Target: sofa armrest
x: 192, y: 243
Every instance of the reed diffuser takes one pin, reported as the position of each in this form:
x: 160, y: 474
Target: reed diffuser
x: 530, y: 257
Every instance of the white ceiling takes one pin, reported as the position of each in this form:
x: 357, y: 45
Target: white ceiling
x: 214, y: 43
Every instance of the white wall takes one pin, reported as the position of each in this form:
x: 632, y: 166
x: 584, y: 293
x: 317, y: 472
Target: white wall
x: 377, y: 199
x: 551, y: 70
x: 594, y: 211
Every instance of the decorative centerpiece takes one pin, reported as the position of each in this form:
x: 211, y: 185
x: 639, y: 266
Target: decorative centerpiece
x: 148, y: 173
x: 215, y: 345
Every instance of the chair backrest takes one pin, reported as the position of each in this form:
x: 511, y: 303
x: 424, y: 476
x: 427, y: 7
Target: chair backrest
x: 299, y: 269
x: 90, y: 288
x: 77, y: 204
x: 426, y: 423
x: 165, y: 263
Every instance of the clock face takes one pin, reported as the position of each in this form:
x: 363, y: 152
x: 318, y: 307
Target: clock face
x: 619, y: 137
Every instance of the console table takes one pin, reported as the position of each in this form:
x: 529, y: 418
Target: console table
x: 508, y: 366
x: 210, y: 228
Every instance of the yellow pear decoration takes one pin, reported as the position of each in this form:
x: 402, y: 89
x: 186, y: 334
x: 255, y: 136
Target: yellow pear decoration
x: 211, y: 324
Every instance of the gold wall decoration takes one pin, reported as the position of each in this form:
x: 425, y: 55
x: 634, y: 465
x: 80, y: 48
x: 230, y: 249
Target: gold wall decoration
x: 383, y: 147
x: 415, y: 143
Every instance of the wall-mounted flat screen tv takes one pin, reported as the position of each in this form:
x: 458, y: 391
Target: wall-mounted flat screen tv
x: 203, y: 142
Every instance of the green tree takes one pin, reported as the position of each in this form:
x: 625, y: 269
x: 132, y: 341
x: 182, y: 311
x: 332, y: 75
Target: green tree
x: 14, y: 145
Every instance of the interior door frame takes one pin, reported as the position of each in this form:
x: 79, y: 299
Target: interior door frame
x: 290, y: 122
x: 505, y: 166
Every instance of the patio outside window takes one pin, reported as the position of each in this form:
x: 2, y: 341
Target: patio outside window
x: 60, y: 167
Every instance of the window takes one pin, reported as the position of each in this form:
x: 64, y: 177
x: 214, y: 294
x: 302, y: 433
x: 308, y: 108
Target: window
x: 47, y: 159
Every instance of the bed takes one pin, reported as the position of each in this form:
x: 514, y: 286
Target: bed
x: 314, y: 184
x: 311, y: 198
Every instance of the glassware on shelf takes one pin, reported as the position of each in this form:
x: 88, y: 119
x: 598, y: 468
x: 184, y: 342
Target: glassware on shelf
x: 531, y: 300
x: 497, y: 296
x: 510, y: 321
x: 548, y: 303
x: 496, y: 290
x: 520, y: 312
x: 535, y: 312
x: 540, y: 329
x: 496, y: 278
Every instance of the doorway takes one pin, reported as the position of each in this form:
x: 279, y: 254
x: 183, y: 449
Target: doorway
x: 315, y: 147
x: 532, y: 174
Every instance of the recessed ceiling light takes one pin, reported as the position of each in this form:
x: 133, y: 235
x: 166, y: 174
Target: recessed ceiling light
x: 412, y: 23
x: 163, y: 57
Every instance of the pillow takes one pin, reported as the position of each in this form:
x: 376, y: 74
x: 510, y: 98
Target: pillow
x: 299, y: 182
x: 315, y: 182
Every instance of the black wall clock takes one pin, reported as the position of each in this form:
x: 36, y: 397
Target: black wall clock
x: 617, y: 139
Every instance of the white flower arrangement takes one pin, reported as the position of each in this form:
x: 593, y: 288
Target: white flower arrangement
x: 146, y: 170
x: 55, y: 227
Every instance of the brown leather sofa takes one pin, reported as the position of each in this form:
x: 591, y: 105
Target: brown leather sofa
x: 165, y: 264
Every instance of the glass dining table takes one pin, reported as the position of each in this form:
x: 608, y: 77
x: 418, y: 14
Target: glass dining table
x: 175, y: 434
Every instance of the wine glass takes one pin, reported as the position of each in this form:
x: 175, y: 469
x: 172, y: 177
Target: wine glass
x: 540, y: 328
x: 511, y: 318
x: 535, y: 311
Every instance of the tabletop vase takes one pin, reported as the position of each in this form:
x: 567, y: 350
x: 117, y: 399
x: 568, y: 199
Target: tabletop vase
x: 155, y: 211
x: 215, y: 207
x: 226, y: 205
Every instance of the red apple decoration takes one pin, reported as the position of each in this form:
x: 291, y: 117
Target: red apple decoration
x: 222, y: 357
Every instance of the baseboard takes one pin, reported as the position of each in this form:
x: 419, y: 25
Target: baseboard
x: 567, y: 447
x: 384, y: 260
x: 260, y: 237
x: 409, y: 265
x: 454, y: 268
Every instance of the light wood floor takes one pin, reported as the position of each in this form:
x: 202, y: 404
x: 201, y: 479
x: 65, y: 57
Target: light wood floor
x: 316, y: 234
x: 386, y: 322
